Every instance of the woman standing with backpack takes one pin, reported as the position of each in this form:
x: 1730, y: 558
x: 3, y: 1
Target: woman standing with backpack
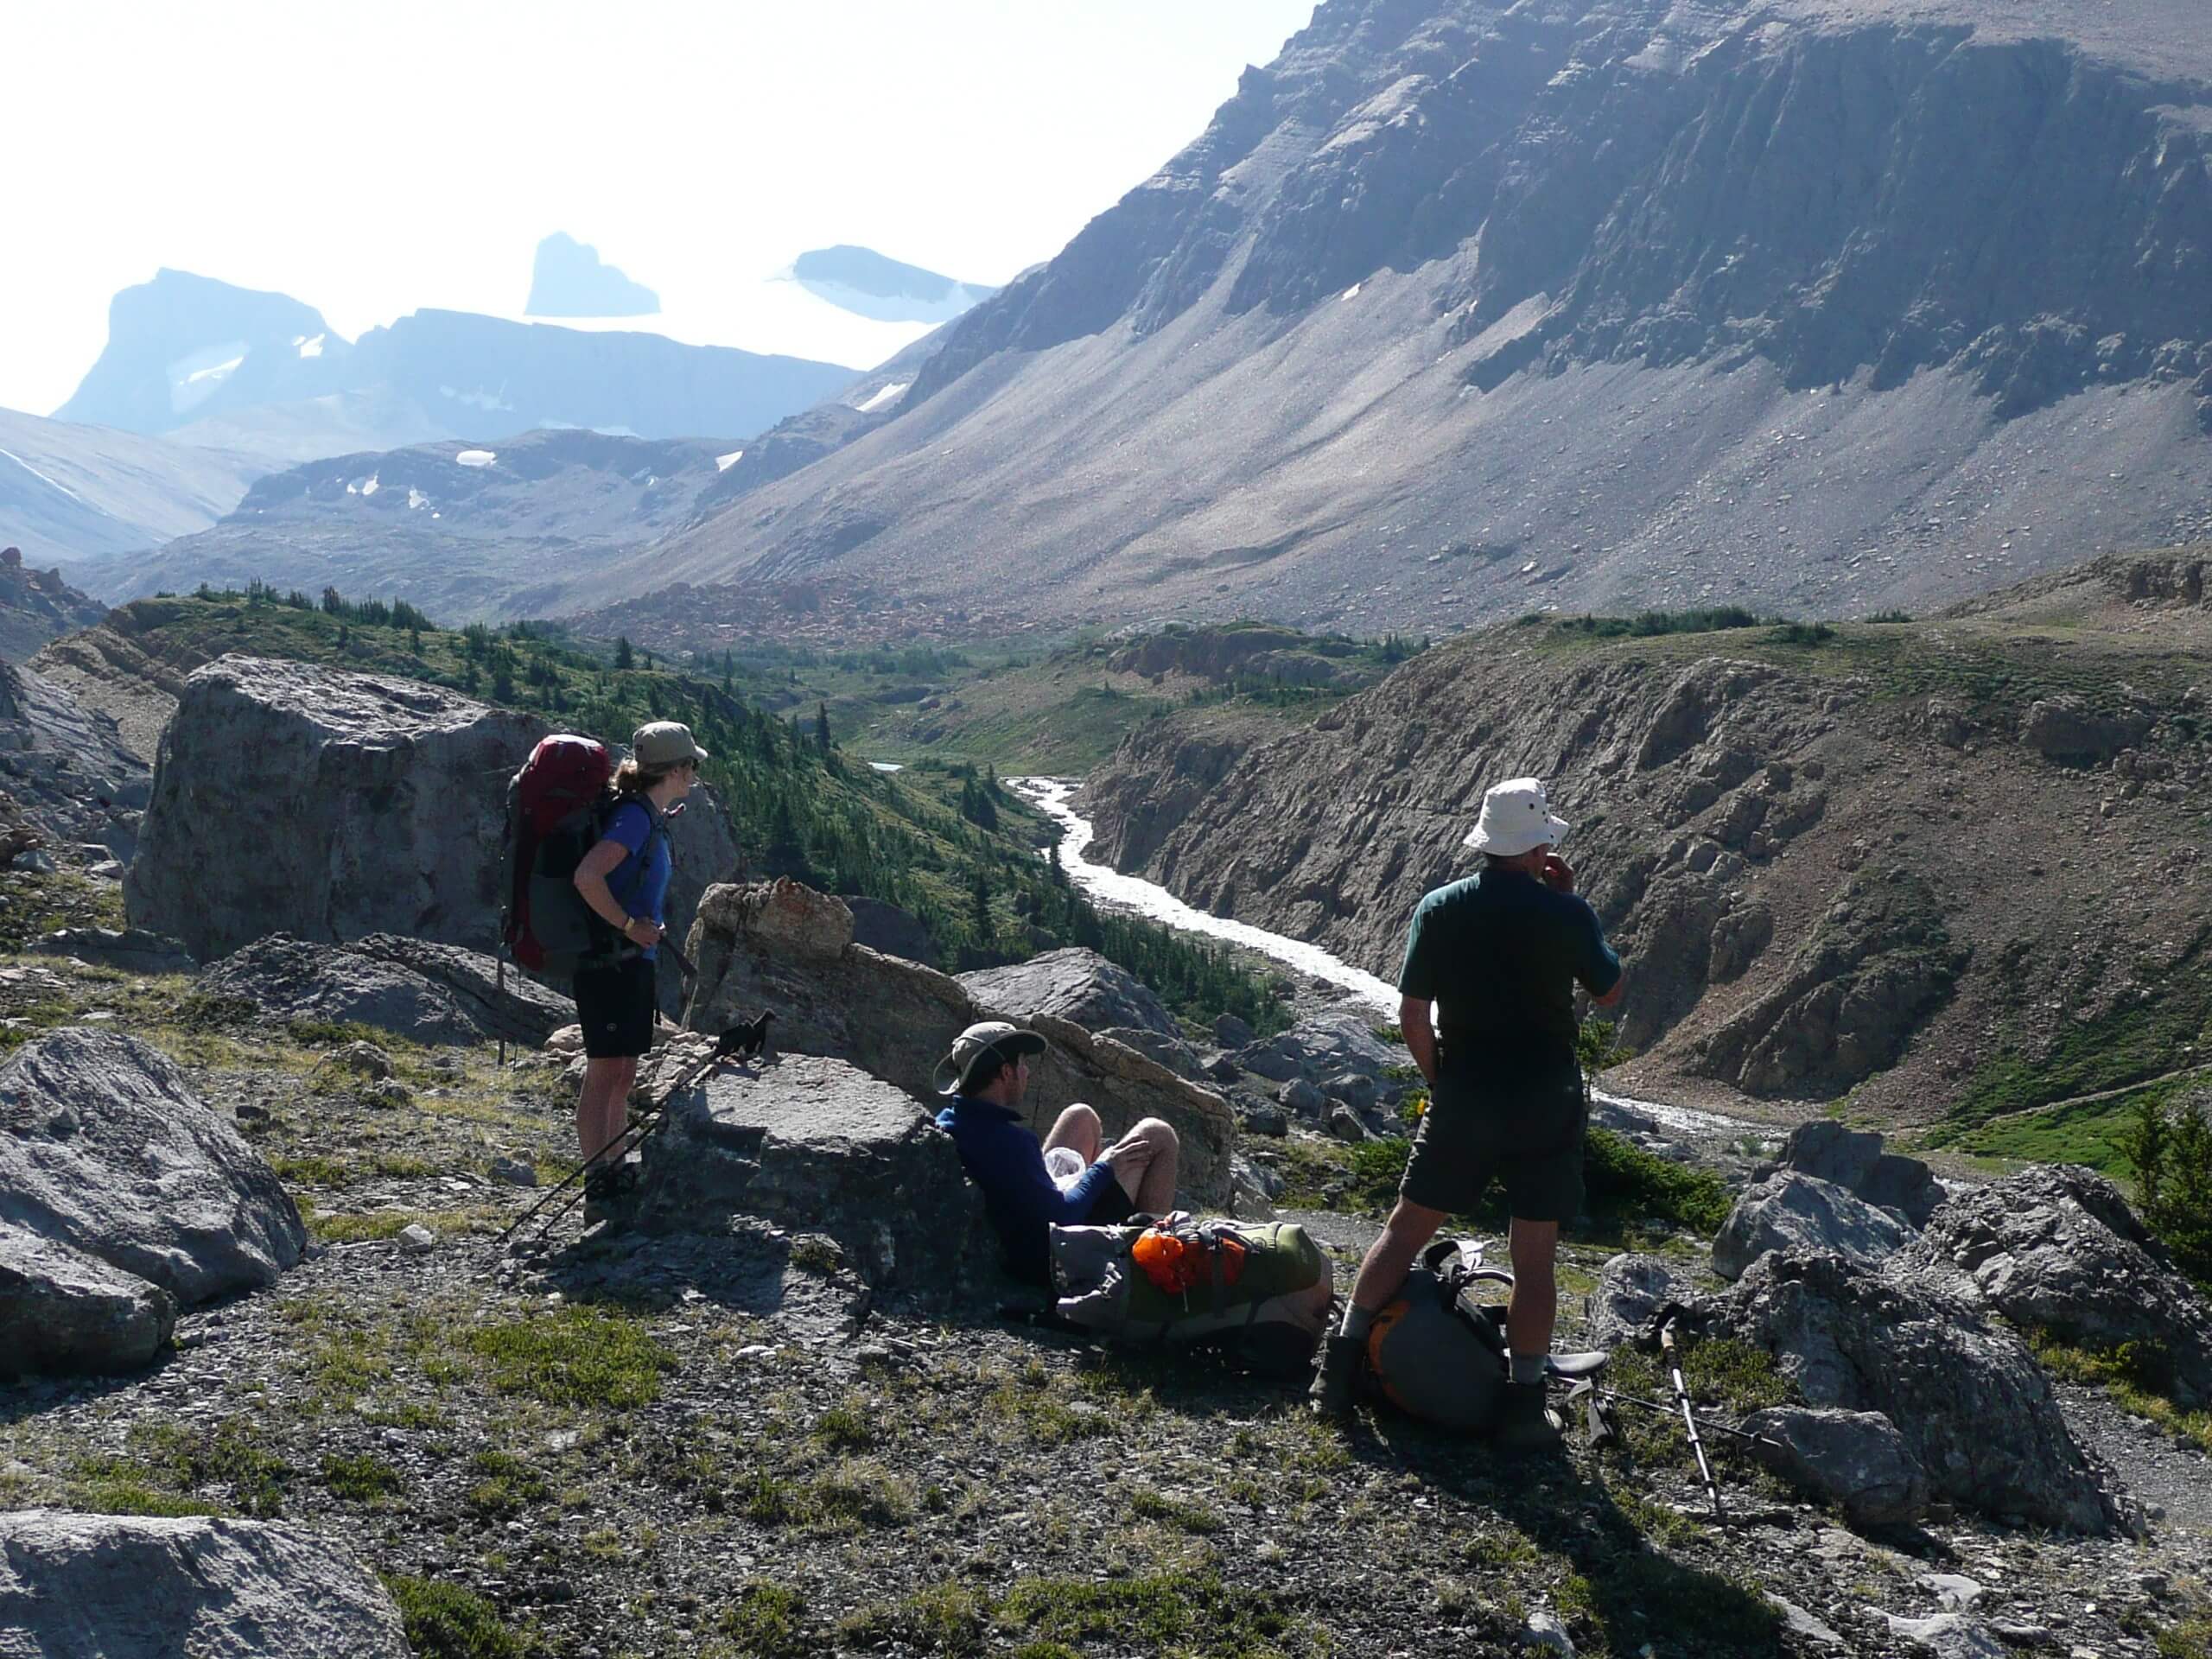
x: 623, y: 879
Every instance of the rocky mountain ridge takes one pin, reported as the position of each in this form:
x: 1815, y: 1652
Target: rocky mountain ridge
x: 466, y: 531
x: 1891, y: 859
x: 73, y: 494
x: 1457, y: 310
x: 37, y: 605
x: 262, y: 372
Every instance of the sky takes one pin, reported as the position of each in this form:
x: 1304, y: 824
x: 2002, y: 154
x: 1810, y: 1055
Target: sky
x: 370, y: 159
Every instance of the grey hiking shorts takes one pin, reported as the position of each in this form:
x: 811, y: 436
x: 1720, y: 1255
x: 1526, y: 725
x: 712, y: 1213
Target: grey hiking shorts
x: 1527, y: 1135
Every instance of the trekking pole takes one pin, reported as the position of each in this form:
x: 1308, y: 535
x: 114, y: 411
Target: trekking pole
x: 584, y: 1168
x: 1689, y: 1417
x: 642, y: 1127
x: 1665, y: 1410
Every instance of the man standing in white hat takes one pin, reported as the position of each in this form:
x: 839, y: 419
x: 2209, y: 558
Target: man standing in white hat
x: 1486, y: 999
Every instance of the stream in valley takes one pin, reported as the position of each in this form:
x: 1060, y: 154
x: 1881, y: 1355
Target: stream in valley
x: 1111, y: 890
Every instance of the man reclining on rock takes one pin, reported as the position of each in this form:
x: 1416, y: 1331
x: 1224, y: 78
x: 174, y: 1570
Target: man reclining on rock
x: 1069, y: 1178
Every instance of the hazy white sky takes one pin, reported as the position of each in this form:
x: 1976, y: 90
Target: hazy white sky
x: 369, y: 159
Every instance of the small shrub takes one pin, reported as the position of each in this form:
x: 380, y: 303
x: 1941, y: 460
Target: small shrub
x: 764, y: 1620
x: 2171, y: 1153
x: 1801, y: 633
x: 575, y: 1356
x: 1624, y: 1182
x: 444, y: 1621
x: 363, y: 1478
x: 1595, y: 1048
x: 1148, y: 1505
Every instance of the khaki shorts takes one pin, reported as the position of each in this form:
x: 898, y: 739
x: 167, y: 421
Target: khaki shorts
x: 1528, y: 1139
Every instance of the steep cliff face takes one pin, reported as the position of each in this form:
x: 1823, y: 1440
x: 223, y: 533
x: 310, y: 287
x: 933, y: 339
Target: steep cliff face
x: 1458, y: 308
x: 1829, y: 863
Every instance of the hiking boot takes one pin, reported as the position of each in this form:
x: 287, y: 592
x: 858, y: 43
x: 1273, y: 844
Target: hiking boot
x: 607, y: 1190
x: 1336, y: 1387
x: 1524, y: 1422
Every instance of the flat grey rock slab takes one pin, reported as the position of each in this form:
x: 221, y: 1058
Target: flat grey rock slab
x: 293, y: 979
x: 144, y: 1588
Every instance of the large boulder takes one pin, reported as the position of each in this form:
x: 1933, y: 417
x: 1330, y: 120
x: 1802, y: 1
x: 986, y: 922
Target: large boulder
x: 1854, y: 1158
x: 1854, y: 1459
x: 813, y: 1144
x: 62, y: 1310
x: 330, y: 805
x: 292, y: 979
x: 1631, y: 1289
x: 499, y: 1004
x: 2056, y: 1247
x: 1076, y: 985
x: 104, y: 1148
x: 1975, y: 1409
x: 782, y: 946
x: 1801, y: 1215
x: 1329, y: 1043
x: 65, y: 766
x: 145, y: 1587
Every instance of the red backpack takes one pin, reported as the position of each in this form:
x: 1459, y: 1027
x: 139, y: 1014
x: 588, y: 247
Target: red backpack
x: 555, y: 807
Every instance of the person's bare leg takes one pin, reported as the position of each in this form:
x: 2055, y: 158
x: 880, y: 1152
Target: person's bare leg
x: 603, y: 1107
x: 1533, y: 1308
x: 1382, y: 1271
x: 601, y: 1079
x: 1148, y: 1174
x: 1077, y: 1128
x: 1381, y: 1275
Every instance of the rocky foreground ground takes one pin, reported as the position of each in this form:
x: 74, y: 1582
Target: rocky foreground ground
x: 729, y: 1443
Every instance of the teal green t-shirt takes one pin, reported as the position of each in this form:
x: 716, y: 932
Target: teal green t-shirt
x: 1500, y: 954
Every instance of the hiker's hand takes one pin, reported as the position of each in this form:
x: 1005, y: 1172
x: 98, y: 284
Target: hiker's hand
x: 1559, y: 874
x: 644, y: 931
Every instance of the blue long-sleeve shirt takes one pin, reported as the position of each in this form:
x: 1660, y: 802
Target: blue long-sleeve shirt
x: 1006, y: 1160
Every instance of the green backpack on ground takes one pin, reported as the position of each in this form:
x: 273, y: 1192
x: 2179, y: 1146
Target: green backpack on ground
x: 1261, y: 1289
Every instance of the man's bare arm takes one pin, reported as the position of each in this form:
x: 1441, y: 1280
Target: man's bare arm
x: 1414, y: 1020
x: 1611, y: 997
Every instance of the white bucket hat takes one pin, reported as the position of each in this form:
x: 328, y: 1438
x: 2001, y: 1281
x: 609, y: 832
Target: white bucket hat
x: 1516, y: 816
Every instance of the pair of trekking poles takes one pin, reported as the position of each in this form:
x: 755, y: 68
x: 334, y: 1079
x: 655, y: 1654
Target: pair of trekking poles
x: 1598, y: 1402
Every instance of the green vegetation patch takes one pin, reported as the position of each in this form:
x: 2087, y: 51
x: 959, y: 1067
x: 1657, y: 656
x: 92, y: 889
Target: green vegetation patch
x: 169, y: 1469
x: 2127, y: 1045
x: 444, y: 1621
x: 766, y: 1621
x: 33, y: 903
x: 362, y: 1476
x: 2138, y: 1376
x: 1625, y: 1186
x: 1185, y: 1612
x: 578, y: 1355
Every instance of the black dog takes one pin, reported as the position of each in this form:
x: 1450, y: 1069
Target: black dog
x: 745, y: 1040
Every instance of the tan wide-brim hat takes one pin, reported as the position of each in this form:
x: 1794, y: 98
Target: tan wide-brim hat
x: 995, y: 1040
x: 663, y: 743
x: 1516, y: 818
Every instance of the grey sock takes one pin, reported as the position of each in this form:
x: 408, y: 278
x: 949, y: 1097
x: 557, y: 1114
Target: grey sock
x: 1529, y: 1368
x: 1357, y: 1321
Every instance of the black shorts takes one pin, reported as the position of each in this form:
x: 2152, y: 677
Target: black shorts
x: 1529, y: 1138
x: 1112, y: 1206
x: 614, y: 1005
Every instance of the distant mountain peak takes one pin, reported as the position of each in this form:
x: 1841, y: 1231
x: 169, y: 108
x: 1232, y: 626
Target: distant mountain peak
x: 570, y: 280
x: 871, y: 284
x: 175, y: 342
